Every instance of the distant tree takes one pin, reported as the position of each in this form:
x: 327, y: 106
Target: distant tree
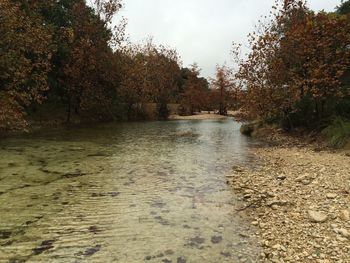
x: 221, y: 88
x: 344, y: 8
x: 135, y: 82
x: 194, y: 92
x: 164, y: 72
x: 150, y: 75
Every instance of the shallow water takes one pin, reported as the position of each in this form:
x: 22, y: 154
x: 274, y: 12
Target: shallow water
x: 132, y: 192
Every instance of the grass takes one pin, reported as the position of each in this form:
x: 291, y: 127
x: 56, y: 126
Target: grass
x: 338, y: 132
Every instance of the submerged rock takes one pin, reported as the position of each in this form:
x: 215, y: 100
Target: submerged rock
x: 45, y: 245
x: 4, y: 234
x: 98, y: 154
x: 196, y: 242
x: 187, y: 134
x: 216, y: 239
x: 181, y: 260
x: 92, y: 250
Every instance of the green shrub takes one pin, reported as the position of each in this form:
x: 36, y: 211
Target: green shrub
x: 338, y: 132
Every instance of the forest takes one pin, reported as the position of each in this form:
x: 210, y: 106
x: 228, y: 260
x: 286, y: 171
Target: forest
x: 67, y: 61
x: 297, y: 73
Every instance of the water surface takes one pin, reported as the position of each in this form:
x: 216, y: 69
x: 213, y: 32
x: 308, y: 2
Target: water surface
x: 132, y: 192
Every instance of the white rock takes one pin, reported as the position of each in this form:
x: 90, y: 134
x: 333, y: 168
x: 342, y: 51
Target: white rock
x: 331, y: 196
x: 317, y: 217
x: 277, y: 247
x: 345, y: 215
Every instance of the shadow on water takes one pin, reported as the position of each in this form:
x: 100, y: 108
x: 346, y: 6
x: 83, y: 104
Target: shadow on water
x: 130, y: 192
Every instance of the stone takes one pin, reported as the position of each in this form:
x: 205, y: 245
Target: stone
x: 216, y: 239
x: 302, y: 178
x: 247, y: 196
x: 345, y: 215
x: 317, y: 217
x: 274, y: 207
x: 277, y: 247
x: 331, y: 196
x: 281, y: 177
x: 343, y: 232
x: 276, y: 202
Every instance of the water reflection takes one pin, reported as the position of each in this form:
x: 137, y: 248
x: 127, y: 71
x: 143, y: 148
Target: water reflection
x: 133, y: 192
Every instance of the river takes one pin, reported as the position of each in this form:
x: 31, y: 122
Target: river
x: 125, y: 192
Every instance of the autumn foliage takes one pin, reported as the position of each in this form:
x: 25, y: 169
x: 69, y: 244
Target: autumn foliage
x: 72, y: 61
x: 150, y: 75
x: 25, y: 54
x: 296, y: 70
x: 195, y: 94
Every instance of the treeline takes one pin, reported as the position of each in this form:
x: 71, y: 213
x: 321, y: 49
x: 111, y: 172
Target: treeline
x: 297, y: 73
x: 67, y: 61
x: 57, y: 52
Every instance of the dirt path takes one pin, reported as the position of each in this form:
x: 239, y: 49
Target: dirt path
x: 300, y: 201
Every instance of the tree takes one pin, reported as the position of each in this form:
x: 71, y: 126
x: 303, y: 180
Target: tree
x: 150, y: 75
x: 222, y: 86
x: 134, y: 84
x: 294, y: 70
x: 89, y: 74
x: 344, y: 8
x: 25, y: 51
x: 194, y: 91
x: 163, y: 72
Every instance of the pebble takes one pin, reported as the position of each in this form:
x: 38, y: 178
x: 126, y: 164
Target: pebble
x: 299, y: 223
x: 317, y: 217
x: 331, y: 196
x: 342, y: 231
x: 345, y: 215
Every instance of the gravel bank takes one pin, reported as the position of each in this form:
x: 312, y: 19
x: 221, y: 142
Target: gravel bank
x: 300, y: 201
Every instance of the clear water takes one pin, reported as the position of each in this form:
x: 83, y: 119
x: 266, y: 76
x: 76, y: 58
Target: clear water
x: 132, y: 192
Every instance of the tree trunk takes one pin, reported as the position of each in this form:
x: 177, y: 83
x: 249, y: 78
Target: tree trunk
x: 69, y: 106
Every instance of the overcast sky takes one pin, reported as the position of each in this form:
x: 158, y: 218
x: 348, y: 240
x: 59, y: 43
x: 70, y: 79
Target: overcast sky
x: 201, y: 30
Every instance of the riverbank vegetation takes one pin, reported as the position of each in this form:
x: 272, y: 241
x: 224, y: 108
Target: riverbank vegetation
x: 297, y: 73
x: 64, y: 62
x: 67, y: 62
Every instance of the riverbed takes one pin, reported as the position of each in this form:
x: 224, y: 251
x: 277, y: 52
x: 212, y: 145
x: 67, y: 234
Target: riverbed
x: 125, y: 192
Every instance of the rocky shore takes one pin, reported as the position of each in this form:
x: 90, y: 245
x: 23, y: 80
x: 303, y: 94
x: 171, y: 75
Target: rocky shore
x: 299, y: 200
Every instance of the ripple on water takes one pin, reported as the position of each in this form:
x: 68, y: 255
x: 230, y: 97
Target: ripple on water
x: 123, y: 193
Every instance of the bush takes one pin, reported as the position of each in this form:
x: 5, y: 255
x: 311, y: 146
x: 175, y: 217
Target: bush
x: 338, y: 132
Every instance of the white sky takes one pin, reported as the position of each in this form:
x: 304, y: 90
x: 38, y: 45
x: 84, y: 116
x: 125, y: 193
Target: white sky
x: 201, y: 30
